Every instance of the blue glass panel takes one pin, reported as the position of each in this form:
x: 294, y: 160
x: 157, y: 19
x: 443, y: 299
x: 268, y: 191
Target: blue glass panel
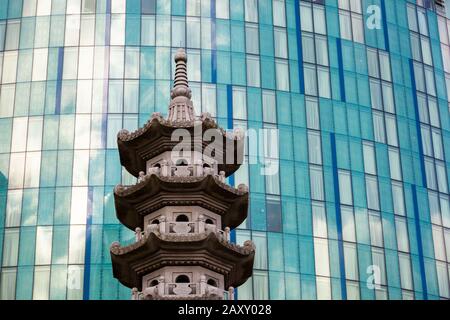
x: 24, y: 291
x: 27, y: 246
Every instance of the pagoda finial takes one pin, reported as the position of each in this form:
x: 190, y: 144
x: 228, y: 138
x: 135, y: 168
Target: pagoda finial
x: 181, y: 108
x: 181, y: 85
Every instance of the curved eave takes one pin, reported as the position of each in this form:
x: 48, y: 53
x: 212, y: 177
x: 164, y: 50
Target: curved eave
x: 155, y: 138
x: 154, y: 193
x: 209, y: 252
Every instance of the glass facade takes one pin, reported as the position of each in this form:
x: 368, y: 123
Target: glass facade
x: 358, y: 89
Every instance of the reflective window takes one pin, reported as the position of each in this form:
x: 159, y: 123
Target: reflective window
x: 345, y: 187
x: 251, y: 10
x: 319, y: 220
x: 8, y: 284
x: 252, y: 38
x: 178, y: 32
x: 73, y: 6
x: 348, y: 225
x: 76, y: 244
x: 12, y: 35
x: 253, y: 78
x: 322, y: 257
x: 369, y: 158
x: 315, y: 150
x: 43, y: 253
x: 317, y: 192
x: 351, y: 262
x: 269, y: 107
x: 402, y: 234
x: 149, y: 6
x: 394, y: 164
x: 376, y: 230
x: 405, y: 271
x: 259, y: 238
x: 279, y: 16
x: 306, y: 17
x: 372, y: 193
x: 239, y: 103
x: 193, y: 32
x: 378, y: 127
x: 398, y: 198
x: 280, y: 43
x: 10, y: 247
x: 88, y: 6
x: 41, y: 283
x: 282, y: 75
x: 148, y: 31
x: 312, y: 114
x: 44, y: 7
x: 222, y: 9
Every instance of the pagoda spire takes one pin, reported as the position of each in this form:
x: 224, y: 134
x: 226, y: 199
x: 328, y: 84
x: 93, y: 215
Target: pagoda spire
x: 181, y: 108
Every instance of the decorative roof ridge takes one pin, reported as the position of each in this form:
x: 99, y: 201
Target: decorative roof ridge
x: 205, y: 119
x: 125, y: 135
x: 123, y: 191
x: 117, y: 249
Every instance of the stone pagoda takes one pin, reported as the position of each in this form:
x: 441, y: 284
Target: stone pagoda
x: 181, y: 209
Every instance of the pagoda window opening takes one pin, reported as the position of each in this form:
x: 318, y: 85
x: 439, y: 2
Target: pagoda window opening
x: 154, y: 283
x: 157, y: 165
x: 212, y: 282
x: 182, y: 218
x: 206, y: 165
x: 182, y: 278
x: 156, y: 221
x: 209, y: 221
x: 182, y: 163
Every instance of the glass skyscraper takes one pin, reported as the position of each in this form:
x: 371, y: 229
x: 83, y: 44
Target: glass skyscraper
x: 358, y: 90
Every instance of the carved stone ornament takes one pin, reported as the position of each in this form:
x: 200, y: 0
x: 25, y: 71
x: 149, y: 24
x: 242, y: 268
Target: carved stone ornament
x: 182, y: 228
x: 182, y: 289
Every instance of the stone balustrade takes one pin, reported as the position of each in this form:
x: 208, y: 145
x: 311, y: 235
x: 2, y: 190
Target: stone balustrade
x: 196, y: 170
x: 183, y: 228
x: 169, y: 290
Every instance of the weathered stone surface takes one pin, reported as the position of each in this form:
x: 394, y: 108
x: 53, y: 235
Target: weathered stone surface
x: 154, y: 251
x: 154, y: 192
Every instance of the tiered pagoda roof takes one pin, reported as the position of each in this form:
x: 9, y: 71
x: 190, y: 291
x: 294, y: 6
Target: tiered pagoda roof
x: 154, y: 192
x: 155, y: 251
x: 155, y: 137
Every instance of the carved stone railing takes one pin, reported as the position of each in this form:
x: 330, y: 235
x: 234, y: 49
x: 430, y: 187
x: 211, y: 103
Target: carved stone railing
x: 166, y: 169
x: 184, y: 228
x: 181, y: 227
x: 170, y: 290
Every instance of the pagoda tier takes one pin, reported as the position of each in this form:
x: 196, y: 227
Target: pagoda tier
x: 154, y: 250
x: 155, y: 137
x: 155, y: 191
